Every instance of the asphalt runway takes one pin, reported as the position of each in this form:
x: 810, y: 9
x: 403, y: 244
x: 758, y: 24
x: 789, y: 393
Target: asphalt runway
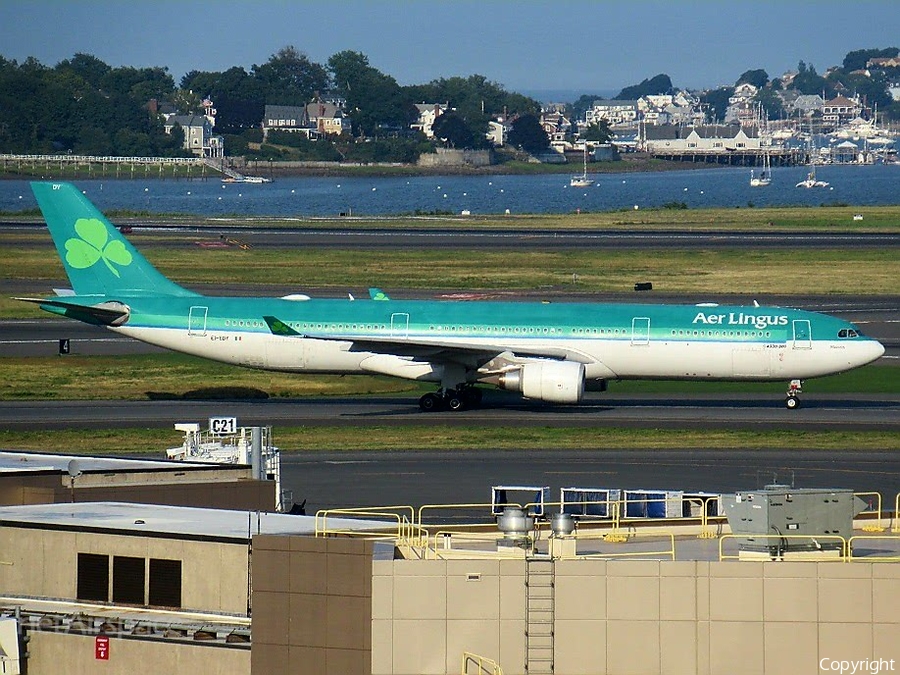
x: 763, y: 412
x: 432, y: 235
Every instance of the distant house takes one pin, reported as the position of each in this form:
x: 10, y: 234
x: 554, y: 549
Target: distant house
x: 807, y: 104
x: 428, y: 113
x: 893, y: 62
x: 555, y: 125
x: 291, y: 118
x: 497, y: 133
x: 840, y: 110
x: 714, y: 138
x: 614, y: 112
x: 198, y: 135
x: 327, y: 118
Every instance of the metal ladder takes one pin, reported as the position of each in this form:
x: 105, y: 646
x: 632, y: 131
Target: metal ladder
x: 539, y: 617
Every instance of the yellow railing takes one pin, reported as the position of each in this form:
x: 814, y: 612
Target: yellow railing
x: 448, y: 544
x: 876, y: 527
x: 483, y: 663
x: 891, y: 556
x: 896, y: 527
x: 401, y: 524
x: 772, y: 544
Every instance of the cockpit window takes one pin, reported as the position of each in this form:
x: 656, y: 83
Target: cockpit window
x: 848, y: 333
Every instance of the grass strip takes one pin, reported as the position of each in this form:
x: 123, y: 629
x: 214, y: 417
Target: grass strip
x: 153, y: 442
x: 706, y: 274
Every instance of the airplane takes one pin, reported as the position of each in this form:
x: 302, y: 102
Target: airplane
x: 550, y: 352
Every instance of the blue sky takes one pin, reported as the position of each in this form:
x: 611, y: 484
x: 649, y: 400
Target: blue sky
x: 586, y: 46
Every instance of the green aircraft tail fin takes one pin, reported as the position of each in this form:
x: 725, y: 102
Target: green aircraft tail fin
x: 97, y: 258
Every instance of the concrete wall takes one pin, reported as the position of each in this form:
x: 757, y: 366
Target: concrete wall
x: 44, y: 564
x: 130, y: 657
x: 312, y: 606
x: 640, y: 617
x: 451, y: 157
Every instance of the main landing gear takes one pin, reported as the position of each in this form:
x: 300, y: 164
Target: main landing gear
x: 462, y: 397
x: 792, y: 400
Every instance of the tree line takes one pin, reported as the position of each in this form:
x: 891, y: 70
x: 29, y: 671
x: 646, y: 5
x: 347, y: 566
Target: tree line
x: 85, y: 106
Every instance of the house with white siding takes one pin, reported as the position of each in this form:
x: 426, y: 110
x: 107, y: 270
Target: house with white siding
x: 428, y: 113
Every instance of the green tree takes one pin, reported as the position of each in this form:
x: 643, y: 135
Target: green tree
x: 758, y: 78
x: 290, y: 78
x: 715, y: 101
x: 528, y: 134
x: 452, y: 130
x: 858, y: 59
x: 771, y: 103
x: 376, y: 103
x: 598, y: 132
x: 808, y: 81
x: 658, y: 84
x: 86, y: 66
x: 240, y: 98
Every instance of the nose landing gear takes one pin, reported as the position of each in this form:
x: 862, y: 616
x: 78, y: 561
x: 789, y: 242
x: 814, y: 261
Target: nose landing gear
x: 792, y: 400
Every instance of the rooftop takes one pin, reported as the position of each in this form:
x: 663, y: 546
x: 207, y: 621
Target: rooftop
x: 178, y: 522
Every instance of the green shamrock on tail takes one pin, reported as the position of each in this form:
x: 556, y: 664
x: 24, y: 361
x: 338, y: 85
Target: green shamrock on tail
x: 94, y: 245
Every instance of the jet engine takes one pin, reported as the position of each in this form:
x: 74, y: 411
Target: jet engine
x: 553, y: 381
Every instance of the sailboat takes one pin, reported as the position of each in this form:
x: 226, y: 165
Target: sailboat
x: 582, y: 180
x: 765, y: 176
x: 811, y: 181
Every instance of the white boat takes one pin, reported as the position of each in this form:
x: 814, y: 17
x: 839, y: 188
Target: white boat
x: 246, y: 179
x: 582, y: 180
x: 765, y: 176
x: 811, y: 180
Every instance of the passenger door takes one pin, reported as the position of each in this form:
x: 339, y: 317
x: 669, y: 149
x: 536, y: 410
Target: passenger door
x: 640, y: 331
x: 197, y: 321
x: 802, y: 334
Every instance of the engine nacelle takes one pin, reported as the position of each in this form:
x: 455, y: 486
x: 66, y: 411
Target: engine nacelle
x: 553, y: 381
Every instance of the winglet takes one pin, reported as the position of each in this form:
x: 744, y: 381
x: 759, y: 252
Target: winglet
x: 279, y: 327
x: 378, y: 294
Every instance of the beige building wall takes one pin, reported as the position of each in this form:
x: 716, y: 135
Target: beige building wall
x: 312, y: 605
x: 638, y: 617
x: 130, y: 657
x: 43, y: 563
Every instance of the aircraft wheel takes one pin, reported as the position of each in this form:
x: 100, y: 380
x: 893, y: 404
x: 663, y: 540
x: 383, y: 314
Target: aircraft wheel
x: 429, y: 403
x: 455, y: 402
x: 792, y: 402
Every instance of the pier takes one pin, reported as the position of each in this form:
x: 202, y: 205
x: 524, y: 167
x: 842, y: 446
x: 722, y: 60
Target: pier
x: 109, y: 167
x: 754, y: 157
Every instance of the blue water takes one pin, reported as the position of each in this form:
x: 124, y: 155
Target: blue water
x: 326, y: 197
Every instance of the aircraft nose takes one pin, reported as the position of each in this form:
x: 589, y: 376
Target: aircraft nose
x: 872, y: 350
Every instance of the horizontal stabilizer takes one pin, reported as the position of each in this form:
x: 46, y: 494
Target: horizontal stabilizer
x: 109, y: 313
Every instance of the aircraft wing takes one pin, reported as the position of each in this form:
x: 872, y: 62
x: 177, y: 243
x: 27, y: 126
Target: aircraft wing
x: 435, y: 349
